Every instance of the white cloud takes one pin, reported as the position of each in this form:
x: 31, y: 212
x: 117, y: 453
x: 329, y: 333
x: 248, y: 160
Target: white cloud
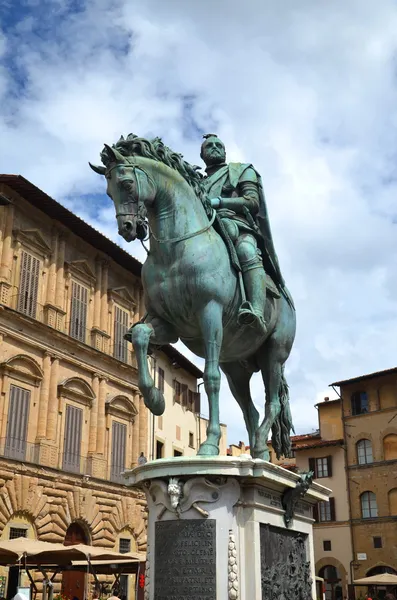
x: 307, y: 92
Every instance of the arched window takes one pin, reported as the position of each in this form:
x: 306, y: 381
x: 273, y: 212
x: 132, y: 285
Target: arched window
x: 359, y: 402
x: 369, y: 507
x: 364, y: 452
x: 393, y: 502
x: 390, y: 446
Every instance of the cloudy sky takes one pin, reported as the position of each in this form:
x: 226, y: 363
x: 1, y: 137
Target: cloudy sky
x: 306, y: 90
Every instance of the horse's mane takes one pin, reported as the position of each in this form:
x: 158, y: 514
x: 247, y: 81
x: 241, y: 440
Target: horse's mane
x: 155, y: 149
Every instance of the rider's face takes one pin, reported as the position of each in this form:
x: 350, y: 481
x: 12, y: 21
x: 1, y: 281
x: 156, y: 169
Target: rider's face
x: 213, y: 152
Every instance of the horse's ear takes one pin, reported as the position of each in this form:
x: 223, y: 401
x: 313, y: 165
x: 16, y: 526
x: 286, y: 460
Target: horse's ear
x: 114, y: 154
x: 98, y: 169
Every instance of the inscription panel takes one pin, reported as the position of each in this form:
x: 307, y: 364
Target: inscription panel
x: 185, y: 560
x: 285, y: 570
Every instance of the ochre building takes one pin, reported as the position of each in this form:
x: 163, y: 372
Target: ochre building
x: 71, y: 416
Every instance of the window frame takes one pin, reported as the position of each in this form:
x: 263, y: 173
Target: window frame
x: 327, y: 543
x: 375, y: 544
x: 191, y: 439
x: 354, y: 398
x: 371, y: 496
x: 30, y: 268
x: 365, y: 452
x: 78, y: 331
x: 120, y: 345
x: 320, y: 473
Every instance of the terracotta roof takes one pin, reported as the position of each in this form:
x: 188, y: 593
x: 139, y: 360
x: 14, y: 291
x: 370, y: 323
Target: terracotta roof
x: 328, y: 401
x: 53, y: 209
x: 319, y: 444
x: 305, y: 436
x: 368, y: 376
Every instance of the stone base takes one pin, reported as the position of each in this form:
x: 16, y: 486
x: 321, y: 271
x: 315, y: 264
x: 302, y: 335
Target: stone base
x: 217, y: 530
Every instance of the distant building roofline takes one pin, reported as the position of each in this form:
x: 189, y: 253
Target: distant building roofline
x: 319, y: 444
x: 367, y: 376
x: 325, y: 402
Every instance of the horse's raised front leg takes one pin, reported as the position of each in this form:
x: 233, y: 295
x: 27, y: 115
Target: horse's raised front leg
x: 157, y: 332
x: 212, y: 332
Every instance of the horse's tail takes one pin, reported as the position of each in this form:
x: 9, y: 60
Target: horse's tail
x: 282, y: 427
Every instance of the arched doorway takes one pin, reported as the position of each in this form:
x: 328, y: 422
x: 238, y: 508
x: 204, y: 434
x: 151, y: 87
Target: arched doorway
x: 332, y: 582
x: 73, y: 583
x: 380, y: 591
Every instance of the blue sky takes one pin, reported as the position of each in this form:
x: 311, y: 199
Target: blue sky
x: 307, y: 92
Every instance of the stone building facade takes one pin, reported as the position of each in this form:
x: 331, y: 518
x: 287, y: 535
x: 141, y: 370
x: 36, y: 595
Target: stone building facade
x: 369, y: 412
x: 71, y: 416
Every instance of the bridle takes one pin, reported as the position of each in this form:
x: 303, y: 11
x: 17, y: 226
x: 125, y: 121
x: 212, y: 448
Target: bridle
x: 138, y: 171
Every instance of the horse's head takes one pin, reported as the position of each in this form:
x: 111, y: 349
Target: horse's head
x: 131, y: 188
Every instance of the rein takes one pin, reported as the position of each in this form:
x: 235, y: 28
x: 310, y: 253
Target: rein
x: 187, y: 236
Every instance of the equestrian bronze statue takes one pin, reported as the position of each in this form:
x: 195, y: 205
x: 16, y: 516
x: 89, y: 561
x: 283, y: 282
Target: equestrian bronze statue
x: 211, y: 278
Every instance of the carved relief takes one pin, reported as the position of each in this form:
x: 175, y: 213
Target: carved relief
x: 147, y: 574
x: 232, y: 568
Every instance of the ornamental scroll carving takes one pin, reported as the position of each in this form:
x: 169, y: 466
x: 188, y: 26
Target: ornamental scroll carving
x: 178, y: 497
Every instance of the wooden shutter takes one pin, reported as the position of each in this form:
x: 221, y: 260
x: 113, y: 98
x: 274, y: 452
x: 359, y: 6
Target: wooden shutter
x: 72, y: 439
x: 28, y: 284
x: 332, y: 508
x: 119, y: 439
x: 177, y: 391
x: 197, y: 402
x: 120, y: 329
x: 78, y: 312
x: 312, y: 466
x: 17, y: 423
x: 315, y: 513
x: 184, y: 393
x: 329, y: 464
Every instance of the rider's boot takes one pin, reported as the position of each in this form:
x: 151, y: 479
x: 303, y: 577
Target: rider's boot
x: 252, y: 311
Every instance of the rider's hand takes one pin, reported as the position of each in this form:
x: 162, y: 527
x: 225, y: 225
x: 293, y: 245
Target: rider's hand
x: 215, y: 203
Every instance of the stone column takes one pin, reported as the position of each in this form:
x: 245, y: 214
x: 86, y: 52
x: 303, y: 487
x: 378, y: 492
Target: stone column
x: 60, y: 278
x: 104, y: 298
x: 6, y: 254
x: 52, y: 272
x: 44, y: 396
x: 53, y: 401
x: 135, y: 450
x: 100, y: 440
x: 94, y: 415
x: 97, y: 296
x: 143, y: 426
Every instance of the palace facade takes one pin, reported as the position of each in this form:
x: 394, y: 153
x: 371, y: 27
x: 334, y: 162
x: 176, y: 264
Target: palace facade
x: 71, y: 415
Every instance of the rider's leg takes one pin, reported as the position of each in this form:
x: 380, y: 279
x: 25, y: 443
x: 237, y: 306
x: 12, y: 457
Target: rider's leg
x: 252, y: 312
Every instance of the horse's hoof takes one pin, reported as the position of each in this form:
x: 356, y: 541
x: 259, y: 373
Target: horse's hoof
x: 155, y: 402
x: 208, y: 450
x: 261, y: 454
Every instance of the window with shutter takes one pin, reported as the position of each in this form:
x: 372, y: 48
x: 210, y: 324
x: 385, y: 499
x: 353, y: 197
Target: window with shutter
x: 28, y: 284
x: 160, y: 380
x: 17, y: 423
x: 72, y: 439
x: 78, y: 311
x: 177, y: 391
x: 119, y: 442
x: 120, y: 329
x: 184, y: 395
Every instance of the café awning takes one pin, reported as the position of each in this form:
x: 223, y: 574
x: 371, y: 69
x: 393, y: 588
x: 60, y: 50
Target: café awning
x: 45, y: 553
x: 382, y: 579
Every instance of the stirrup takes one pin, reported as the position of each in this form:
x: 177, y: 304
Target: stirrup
x: 247, y: 316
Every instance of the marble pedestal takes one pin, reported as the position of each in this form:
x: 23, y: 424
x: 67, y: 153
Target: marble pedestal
x: 216, y: 530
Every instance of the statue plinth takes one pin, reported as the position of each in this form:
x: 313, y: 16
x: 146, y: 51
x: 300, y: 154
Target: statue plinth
x: 217, y: 529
